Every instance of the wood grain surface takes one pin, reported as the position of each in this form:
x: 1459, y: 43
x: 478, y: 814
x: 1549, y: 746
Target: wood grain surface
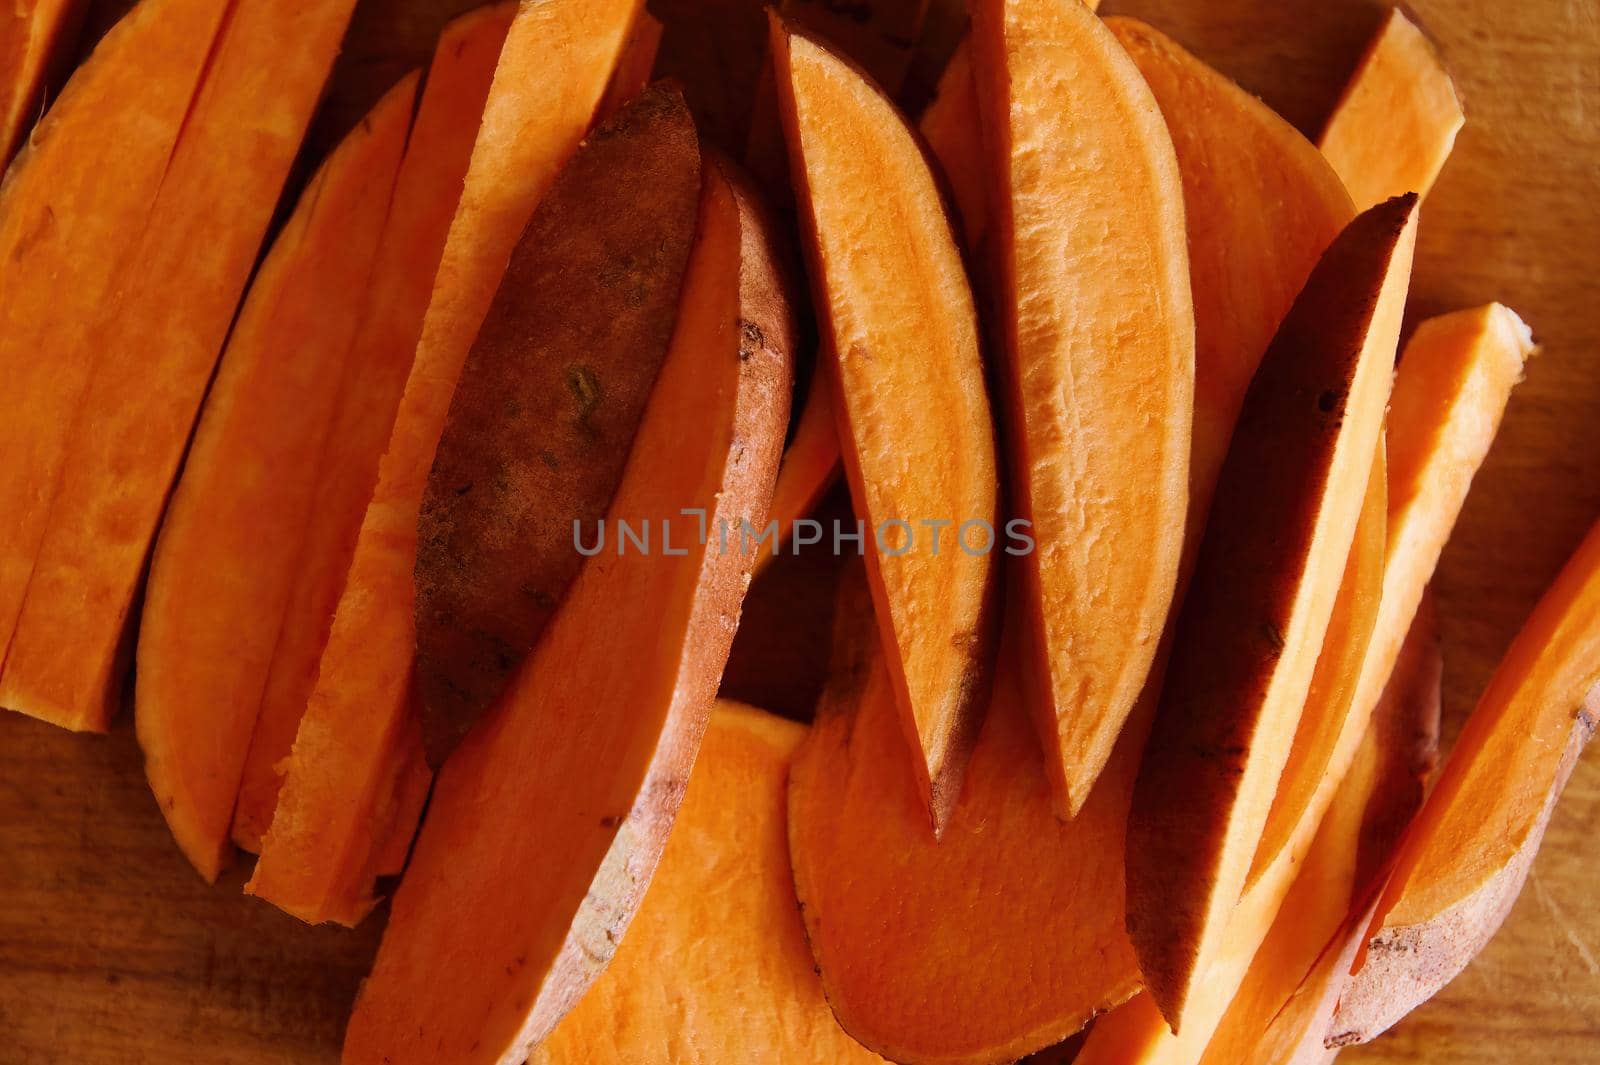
x: 113, y: 951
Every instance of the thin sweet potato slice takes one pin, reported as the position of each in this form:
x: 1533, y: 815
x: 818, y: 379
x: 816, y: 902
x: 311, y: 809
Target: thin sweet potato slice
x: 1088, y: 223
x: 561, y: 371
x: 224, y: 561
x: 1467, y: 854
x: 1254, y: 620
x: 634, y: 65
x: 154, y: 344
x: 810, y: 465
x: 1397, y: 121
x: 1004, y: 936
x: 952, y: 129
x: 318, y: 858
x: 541, y: 872
x: 36, y: 37
x: 425, y: 199
x: 72, y: 208
x: 740, y: 987
x: 901, y: 340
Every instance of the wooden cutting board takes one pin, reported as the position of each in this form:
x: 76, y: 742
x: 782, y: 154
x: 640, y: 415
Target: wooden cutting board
x: 113, y: 951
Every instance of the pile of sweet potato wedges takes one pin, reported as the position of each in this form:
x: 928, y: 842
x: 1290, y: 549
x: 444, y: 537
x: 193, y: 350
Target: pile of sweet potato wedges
x: 1065, y: 375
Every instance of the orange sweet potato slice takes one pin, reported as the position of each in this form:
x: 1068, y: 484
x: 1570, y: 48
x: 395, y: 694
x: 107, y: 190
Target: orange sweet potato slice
x: 634, y: 65
x: 551, y: 866
x: 1088, y: 222
x: 35, y: 39
x: 1247, y: 640
x: 952, y: 129
x: 810, y: 466
x: 560, y: 372
x: 901, y: 336
x: 425, y: 199
x: 1467, y: 854
x: 1397, y: 121
x: 72, y: 208
x: 155, y: 342
x: 318, y: 858
x: 231, y: 541
x: 722, y: 907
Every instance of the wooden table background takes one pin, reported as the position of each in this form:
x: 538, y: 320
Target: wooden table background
x: 112, y: 950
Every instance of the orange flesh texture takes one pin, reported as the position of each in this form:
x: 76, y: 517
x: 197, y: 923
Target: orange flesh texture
x: 1099, y: 328
x: 1255, y: 618
x: 35, y: 36
x: 632, y: 72
x: 810, y: 464
x: 230, y: 544
x: 425, y: 200
x: 1397, y: 121
x: 72, y: 208
x: 316, y: 860
x: 740, y: 985
x: 156, y: 340
x: 902, y: 335
x: 548, y: 868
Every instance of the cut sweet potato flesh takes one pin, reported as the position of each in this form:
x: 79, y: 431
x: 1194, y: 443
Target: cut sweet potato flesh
x: 1397, y: 121
x: 1253, y: 622
x: 1464, y: 860
x: 35, y: 37
x: 230, y: 544
x: 73, y: 206
x: 317, y: 859
x: 950, y: 126
x: 740, y: 986
x: 1087, y: 215
x: 634, y: 65
x: 1003, y: 937
x: 154, y: 343
x: 551, y: 866
x: 425, y: 198
x: 901, y: 340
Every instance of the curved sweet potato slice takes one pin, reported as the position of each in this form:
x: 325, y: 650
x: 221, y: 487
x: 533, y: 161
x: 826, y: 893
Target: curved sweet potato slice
x: 1088, y: 223
x: 541, y: 872
x: 35, y: 38
x: 231, y: 540
x: 1003, y: 937
x: 810, y: 464
x: 1465, y: 857
x: 902, y: 340
x: 154, y: 344
x: 1270, y: 565
x: 740, y: 986
x: 72, y: 208
x: 425, y: 199
x: 1397, y: 121
x: 632, y: 72
x: 317, y: 860
x: 952, y: 129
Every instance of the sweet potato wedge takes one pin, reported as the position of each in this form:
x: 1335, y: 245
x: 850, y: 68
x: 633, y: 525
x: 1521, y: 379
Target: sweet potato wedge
x: 36, y: 38
x: 1467, y: 854
x: 1004, y: 936
x: 1252, y: 625
x: 546, y: 869
x: 810, y: 467
x: 1087, y: 215
x: 740, y: 987
x: 634, y: 65
x: 950, y: 126
x: 1397, y: 121
x: 225, y: 559
x: 901, y: 340
x: 561, y: 371
x: 425, y: 198
x: 155, y: 342
x: 72, y: 207
x: 318, y: 858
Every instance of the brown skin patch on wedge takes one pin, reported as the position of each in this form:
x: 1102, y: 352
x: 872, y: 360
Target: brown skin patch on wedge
x: 425, y: 199
x: 741, y: 987
x: 546, y: 409
x: 1087, y: 216
x: 1397, y: 121
x: 36, y: 43
x: 1269, y: 568
x: 541, y: 872
x: 1469, y: 850
x: 230, y: 544
x: 901, y: 341
x: 999, y: 939
x: 319, y: 859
